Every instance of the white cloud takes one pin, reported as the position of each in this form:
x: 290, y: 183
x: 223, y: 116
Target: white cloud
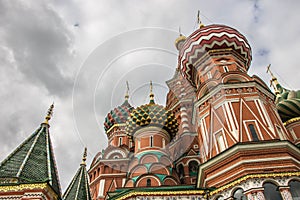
x: 41, y: 51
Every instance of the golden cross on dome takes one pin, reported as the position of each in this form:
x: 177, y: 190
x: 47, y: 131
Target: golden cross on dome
x: 49, y: 114
x: 273, y: 82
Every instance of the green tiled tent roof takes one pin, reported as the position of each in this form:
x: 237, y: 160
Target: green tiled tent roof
x: 79, y: 187
x: 32, y: 161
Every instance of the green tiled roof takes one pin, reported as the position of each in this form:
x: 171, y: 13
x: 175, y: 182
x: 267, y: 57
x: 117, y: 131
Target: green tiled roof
x: 32, y: 162
x: 79, y: 187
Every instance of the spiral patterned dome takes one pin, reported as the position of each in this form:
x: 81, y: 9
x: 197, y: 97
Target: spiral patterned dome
x: 153, y: 115
x: 118, y: 115
x: 212, y: 37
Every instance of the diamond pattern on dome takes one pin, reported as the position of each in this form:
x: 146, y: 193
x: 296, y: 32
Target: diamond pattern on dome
x: 118, y: 115
x: 152, y: 114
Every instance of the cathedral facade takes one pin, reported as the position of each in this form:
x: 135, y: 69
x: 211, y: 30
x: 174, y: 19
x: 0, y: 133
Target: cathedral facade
x: 222, y: 134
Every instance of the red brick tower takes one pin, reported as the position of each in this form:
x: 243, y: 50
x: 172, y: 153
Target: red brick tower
x: 185, y: 148
x: 241, y: 135
x: 151, y: 127
x: 109, y: 168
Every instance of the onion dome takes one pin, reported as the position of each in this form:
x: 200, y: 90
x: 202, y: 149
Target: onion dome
x: 152, y: 114
x: 287, y: 101
x: 179, y: 41
x: 289, y: 108
x: 119, y: 114
x: 212, y: 37
x: 288, y: 104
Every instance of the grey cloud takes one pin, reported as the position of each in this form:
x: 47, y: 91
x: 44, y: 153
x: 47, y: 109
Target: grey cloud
x: 40, y: 43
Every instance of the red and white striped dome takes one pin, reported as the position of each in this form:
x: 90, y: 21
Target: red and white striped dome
x: 212, y: 37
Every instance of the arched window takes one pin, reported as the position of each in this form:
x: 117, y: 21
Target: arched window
x: 220, y: 198
x: 239, y: 194
x: 180, y: 171
x: 253, y: 132
x: 295, y: 189
x: 271, y: 192
x: 148, y: 182
x: 193, y: 168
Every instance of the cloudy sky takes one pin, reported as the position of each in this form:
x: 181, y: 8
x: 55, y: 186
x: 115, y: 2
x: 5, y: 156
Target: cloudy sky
x: 79, y: 55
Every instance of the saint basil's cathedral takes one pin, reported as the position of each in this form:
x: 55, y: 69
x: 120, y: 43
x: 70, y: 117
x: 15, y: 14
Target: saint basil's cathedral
x: 223, y: 134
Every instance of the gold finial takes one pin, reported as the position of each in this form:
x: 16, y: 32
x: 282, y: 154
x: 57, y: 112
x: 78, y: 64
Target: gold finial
x: 49, y: 114
x: 84, y: 157
x: 151, y: 93
x: 179, y: 41
x: 199, y: 20
x: 273, y: 82
x: 127, y: 91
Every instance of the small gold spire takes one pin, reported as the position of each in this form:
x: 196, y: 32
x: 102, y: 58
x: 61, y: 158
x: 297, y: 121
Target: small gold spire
x: 273, y: 82
x: 151, y: 93
x: 49, y: 114
x: 199, y: 20
x: 84, y: 157
x: 127, y: 91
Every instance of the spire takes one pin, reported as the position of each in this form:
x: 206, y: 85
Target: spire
x: 199, y: 20
x: 79, y: 186
x: 151, y: 94
x: 274, y: 82
x: 127, y: 91
x: 49, y: 114
x: 84, y: 157
x: 32, y: 161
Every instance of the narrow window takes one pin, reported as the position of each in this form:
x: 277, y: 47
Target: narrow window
x: 208, y: 75
x: 193, y: 168
x: 151, y: 141
x: 148, y: 182
x: 253, y: 132
x: 139, y: 144
x: 120, y: 141
x: 163, y: 142
x: 221, y: 142
x: 225, y: 68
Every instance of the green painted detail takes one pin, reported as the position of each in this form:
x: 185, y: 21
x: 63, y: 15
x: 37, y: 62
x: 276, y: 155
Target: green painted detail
x: 148, y: 165
x: 135, y: 178
x: 161, y: 176
x: 79, y: 186
x: 157, y: 153
x: 122, y: 192
x: 32, y: 161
